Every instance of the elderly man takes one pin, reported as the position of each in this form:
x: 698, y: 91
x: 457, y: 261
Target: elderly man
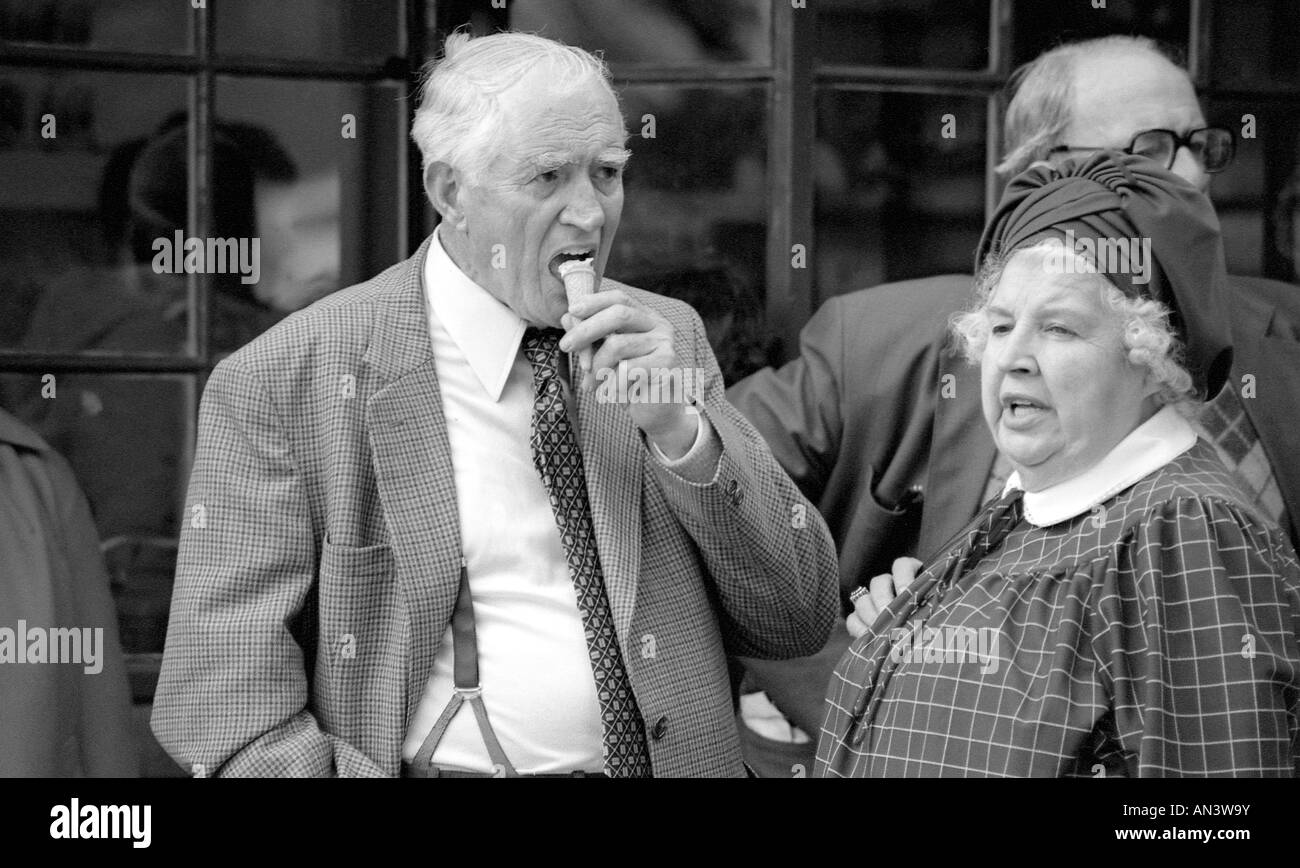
x: 418, y: 494
x: 900, y: 460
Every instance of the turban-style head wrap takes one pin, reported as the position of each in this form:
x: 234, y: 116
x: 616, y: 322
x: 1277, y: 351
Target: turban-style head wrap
x: 1109, y: 196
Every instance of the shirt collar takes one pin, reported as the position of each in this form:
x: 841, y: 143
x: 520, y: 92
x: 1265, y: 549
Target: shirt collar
x: 484, y: 329
x: 1148, y: 447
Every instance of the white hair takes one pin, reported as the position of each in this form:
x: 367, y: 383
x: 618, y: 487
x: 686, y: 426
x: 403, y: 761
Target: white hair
x: 1148, y: 336
x: 1042, y: 92
x: 459, y: 120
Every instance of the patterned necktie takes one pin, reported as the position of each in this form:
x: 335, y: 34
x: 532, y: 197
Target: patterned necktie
x: 559, y: 463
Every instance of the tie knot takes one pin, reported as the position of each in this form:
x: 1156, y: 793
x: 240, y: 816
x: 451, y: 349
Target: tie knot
x: 542, y: 349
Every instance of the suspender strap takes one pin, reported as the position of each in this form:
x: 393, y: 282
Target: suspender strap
x: 468, y: 690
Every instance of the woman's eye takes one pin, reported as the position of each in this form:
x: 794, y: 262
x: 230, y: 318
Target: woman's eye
x: 1000, y: 328
x: 549, y: 177
x: 1058, y: 329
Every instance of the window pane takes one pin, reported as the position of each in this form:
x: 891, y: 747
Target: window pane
x: 1041, y: 24
x: 694, y: 216
x: 309, y: 29
x: 307, y: 148
x: 899, y: 186
x: 1254, y: 42
x: 668, y: 32
x: 159, y: 26
x: 933, y: 34
x: 1258, y: 196
x: 75, y: 244
x: 125, y: 438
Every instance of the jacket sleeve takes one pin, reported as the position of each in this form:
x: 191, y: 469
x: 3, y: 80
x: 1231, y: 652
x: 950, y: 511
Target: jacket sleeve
x: 797, y: 409
x: 1197, y: 638
x: 232, y: 694
x: 768, y: 553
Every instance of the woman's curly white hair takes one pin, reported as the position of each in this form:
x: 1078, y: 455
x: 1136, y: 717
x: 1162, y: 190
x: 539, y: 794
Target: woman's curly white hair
x: 1148, y: 333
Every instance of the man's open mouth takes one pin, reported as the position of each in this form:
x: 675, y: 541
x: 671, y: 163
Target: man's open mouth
x: 568, y: 256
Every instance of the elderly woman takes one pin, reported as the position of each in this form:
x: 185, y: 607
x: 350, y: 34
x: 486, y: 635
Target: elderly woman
x: 1121, y: 610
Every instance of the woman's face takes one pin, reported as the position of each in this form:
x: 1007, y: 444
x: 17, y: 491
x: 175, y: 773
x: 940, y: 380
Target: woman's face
x: 1058, y: 389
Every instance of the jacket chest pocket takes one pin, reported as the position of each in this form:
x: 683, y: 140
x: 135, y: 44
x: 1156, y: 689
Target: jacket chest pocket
x: 357, y: 609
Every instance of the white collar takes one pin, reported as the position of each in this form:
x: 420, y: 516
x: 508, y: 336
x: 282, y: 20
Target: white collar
x: 1148, y: 447
x: 484, y: 329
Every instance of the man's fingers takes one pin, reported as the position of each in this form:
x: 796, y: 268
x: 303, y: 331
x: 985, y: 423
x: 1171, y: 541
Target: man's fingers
x: 625, y: 347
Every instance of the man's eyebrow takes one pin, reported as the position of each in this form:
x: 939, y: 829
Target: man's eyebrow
x: 553, y: 160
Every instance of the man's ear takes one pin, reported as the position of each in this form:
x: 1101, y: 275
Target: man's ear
x: 445, y: 188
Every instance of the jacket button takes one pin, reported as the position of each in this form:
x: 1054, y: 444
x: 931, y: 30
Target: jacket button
x: 735, y: 493
x: 660, y: 729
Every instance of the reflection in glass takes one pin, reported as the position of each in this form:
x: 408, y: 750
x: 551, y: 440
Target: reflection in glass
x: 1254, y: 43
x: 899, y: 186
x: 1256, y: 196
x: 336, y: 219
x: 931, y: 34
x: 1042, y: 24
x: 67, y: 279
x: 161, y: 26
x: 694, y: 215
x: 659, y: 32
x: 310, y: 29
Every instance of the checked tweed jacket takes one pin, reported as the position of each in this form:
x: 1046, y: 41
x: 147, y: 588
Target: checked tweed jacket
x: 320, y: 555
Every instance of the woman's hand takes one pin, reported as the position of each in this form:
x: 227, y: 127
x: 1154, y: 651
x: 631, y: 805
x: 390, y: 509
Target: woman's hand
x: 868, y: 604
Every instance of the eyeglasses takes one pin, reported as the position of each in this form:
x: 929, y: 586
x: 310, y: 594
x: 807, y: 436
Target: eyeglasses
x: 1213, y: 147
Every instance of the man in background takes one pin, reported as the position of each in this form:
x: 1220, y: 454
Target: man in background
x: 879, y: 423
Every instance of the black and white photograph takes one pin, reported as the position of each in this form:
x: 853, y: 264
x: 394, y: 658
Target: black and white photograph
x: 789, y: 389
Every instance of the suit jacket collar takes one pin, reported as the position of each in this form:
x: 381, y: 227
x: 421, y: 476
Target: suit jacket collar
x: 412, y: 464
x: 961, y: 454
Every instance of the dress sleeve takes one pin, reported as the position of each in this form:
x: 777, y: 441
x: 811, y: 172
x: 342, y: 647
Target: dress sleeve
x: 1195, y: 630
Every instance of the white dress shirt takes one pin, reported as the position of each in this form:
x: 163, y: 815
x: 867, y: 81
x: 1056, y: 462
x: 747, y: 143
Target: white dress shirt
x: 537, y: 681
x: 1147, y: 448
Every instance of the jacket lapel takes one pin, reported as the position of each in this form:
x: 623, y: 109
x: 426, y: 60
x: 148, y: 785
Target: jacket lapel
x: 412, y: 461
x: 1266, y: 353
x: 961, y: 455
x: 613, y: 456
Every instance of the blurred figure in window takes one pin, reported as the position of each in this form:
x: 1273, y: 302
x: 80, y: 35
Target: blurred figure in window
x: 732, y: 319
x: 57, y: 719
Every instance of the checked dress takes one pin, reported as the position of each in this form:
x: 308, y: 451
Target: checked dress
x: 1153, y: 635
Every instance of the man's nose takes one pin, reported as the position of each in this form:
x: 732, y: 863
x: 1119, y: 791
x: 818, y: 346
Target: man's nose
x: 583, y: 209
x: 1189, y: 167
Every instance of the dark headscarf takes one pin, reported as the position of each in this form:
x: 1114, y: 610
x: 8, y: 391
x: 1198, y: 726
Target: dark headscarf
x: 1110, y: 195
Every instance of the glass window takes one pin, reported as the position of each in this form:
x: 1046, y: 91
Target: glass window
x: 1256, y: 197
x: 301, y: 148
x: 932, y: 34
x: 659, y: 32
x: 695, y: 209
x: 160, y: 26
x: 1042, y: 24
x: 309, y: 29
x: 77, y: 220
x: 899, y: 186
x: 1254, y: 43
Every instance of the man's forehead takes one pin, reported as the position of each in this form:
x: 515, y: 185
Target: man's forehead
x: 1120, y: 93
